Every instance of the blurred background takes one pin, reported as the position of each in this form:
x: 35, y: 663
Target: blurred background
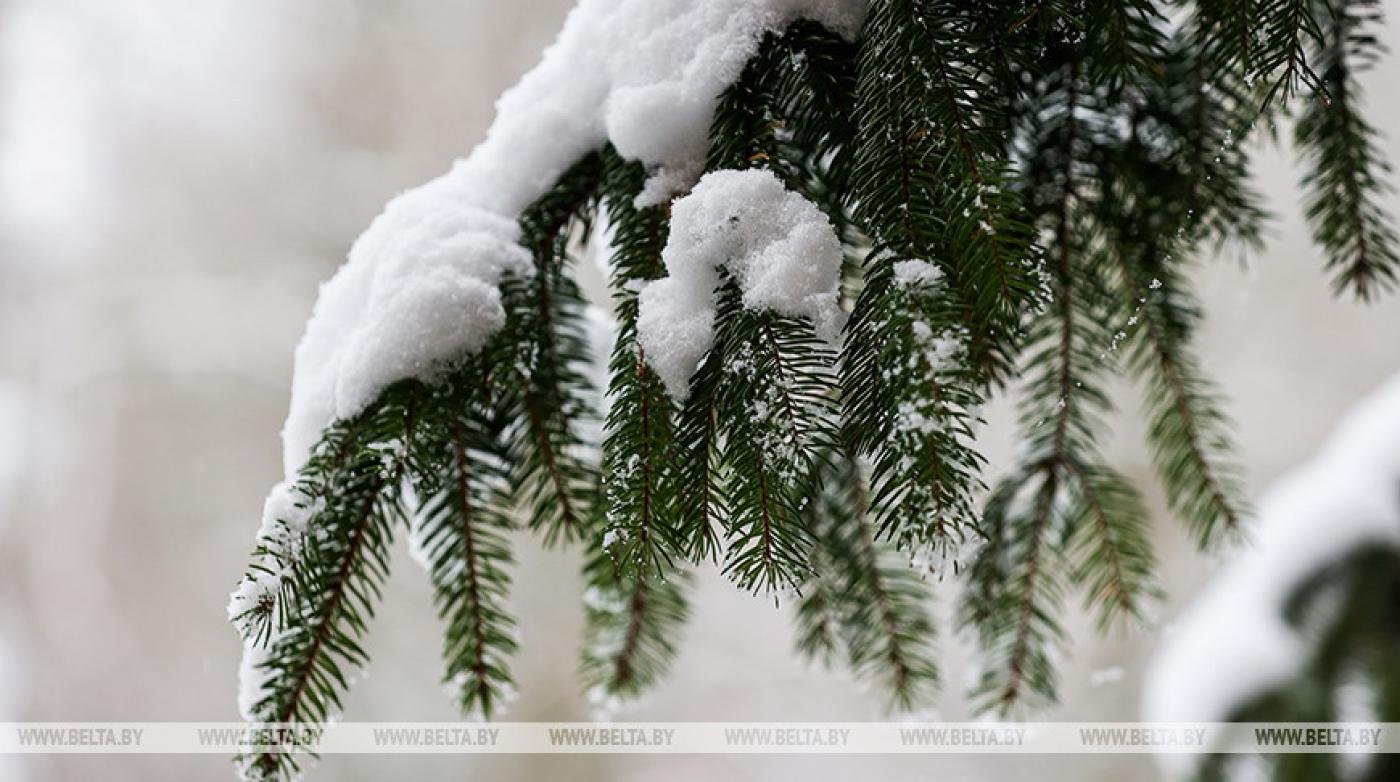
x: 176, y: 178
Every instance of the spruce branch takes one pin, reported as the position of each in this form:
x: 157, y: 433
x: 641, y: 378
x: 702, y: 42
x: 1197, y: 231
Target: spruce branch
x: 1180, y: 152
x: 460, y: 533
x: 819, y: 610
x: 1188, y: 431
x: 1228, y: 28
x: 774, y: 388
x: 788, y: 113
x: 953, y: 107
x: 1014, y: 587
x: 1127, y: 40
x: 910, y: 403
x: 920, y: 194
x: 553, y: 478
x: 1144, y: 234
x: 637, y: 443
x: 1017, y: 581
x: 1207, y: 106
x: 1110, y: 553
x: 307, y: 664
x: 1285, y: 48
x: 864, y: 596
x: 701, y: 497
x: 1016, y: 190
x: 1347, y: 174
x: 768, y: 380
x: 1060, y: 490
x: 633, y: 621
x: 634, y: 603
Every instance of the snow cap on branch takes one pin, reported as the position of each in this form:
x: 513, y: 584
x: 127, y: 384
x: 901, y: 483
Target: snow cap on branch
x: 420, y: 285
x: 778, y: 246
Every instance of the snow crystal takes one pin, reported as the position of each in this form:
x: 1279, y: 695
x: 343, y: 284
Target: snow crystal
x: 612, y: 537
x: 778, y: 246
x: 1233, y: 641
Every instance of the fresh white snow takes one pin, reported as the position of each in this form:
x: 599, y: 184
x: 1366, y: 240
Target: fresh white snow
x: 917, y: 274
x: 1233, y: 641
x: 778, y: 246
x: 420, y: 287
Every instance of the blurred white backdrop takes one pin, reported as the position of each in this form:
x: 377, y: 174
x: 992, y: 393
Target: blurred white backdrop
x: 175, y: 180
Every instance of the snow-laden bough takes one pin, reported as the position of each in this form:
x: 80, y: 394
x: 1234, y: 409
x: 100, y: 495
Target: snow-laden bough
x: 421, y: 286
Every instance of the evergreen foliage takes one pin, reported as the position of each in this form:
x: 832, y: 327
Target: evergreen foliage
x: 311, y: 627
x: 1345, y: 175
x: 1020, y: 189
x: 635, y: 599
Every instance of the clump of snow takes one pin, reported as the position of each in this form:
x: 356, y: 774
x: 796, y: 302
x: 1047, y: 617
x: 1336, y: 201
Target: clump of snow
x: 667, y: 61
x: 420, y: 289
x: 779, y: 247
x: 917, y: 274
x: 288, y: 505
x: 1233, y: 642
x: 937, y: 352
